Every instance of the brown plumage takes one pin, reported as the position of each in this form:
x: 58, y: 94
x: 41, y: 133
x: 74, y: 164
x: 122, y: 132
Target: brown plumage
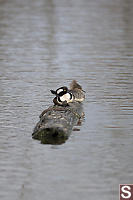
x: 75, y: 85
x: 77, y: 91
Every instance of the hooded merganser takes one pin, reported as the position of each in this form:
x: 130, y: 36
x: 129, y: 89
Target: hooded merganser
x: 77, y: 91
x: 63, y: 96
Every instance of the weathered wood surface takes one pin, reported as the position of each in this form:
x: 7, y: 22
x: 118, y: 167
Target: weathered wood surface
x: 57, y: 122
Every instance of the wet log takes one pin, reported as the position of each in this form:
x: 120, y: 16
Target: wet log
x: 57, y: 122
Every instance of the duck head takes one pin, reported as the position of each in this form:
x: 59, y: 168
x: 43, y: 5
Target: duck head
x: 60, y: 91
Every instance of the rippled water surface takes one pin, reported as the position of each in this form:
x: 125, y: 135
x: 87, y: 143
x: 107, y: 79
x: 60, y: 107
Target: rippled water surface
x: 45, y: 44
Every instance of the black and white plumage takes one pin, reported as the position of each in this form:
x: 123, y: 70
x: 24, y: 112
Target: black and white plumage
x: 65, y: 96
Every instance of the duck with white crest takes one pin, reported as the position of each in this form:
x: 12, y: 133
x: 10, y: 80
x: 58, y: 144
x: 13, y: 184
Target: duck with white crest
x: 65, y: 95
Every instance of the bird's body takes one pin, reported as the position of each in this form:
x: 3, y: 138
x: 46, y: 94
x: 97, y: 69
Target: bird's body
x: 58, y: 102
x: 78, y: 95
x: 67, y: 97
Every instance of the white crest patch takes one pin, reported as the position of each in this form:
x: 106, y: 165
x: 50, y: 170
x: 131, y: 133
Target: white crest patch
x: 60, y: 90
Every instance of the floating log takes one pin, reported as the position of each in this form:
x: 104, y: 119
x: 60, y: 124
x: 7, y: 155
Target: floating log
x: 57, y: 122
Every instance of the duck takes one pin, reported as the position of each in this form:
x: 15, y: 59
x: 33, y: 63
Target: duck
x: 63, y: 96
x: 77, y: 91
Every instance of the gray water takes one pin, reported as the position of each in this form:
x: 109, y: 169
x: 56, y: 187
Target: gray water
x: 44, y: 44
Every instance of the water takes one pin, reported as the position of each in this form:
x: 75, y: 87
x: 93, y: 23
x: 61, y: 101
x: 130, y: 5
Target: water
x: 45, y: 44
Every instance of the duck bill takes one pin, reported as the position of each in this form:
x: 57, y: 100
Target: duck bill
x: 53, y: 92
